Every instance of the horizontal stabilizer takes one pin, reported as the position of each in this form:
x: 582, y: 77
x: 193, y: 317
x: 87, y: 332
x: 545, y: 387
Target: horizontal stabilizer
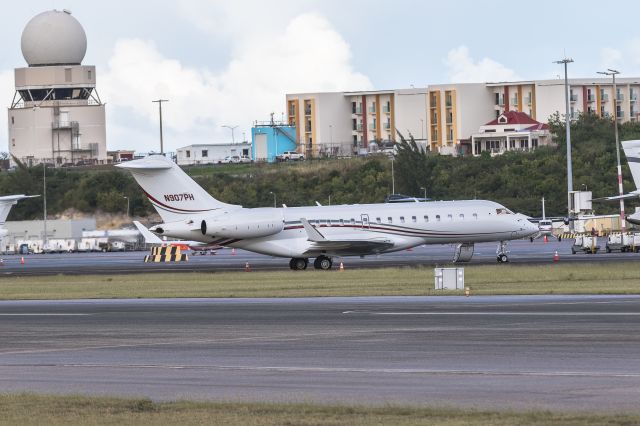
x: 634, y: 194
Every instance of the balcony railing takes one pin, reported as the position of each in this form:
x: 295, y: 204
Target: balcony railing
x: 591, y: 98
x: 356, y: 110
x: 358, y: 127
x: 620, y: 114
x: 527, y: 100
x: 372, y: 109
x: 58, y: 125
x: 372, y: 126
x: 574, y: 98
x: 386, y: 126
x: 386, y: 109
x: 448, y: 103
x: 307, y: 111
x: 433, y: 103
x: 619, y: 97
x: 449, y: 119
x: 604, y: 97
x: 633, y: 97
x: 514, y: 101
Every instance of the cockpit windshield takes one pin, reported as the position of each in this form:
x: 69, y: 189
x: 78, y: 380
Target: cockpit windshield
x: 503, y: 210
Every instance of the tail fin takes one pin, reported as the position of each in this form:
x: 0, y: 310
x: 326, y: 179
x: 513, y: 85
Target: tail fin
x: 632, y: 151
x: 9, y: 201
x: 171, y: 191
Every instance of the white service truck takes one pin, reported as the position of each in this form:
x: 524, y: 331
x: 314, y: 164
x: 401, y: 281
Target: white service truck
x: 626, y: 242
x: 586, y: 244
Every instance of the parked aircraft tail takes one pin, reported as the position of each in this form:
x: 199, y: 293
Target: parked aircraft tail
x: 9, y: 201
x: 171, y: 191
x: 632, y: 151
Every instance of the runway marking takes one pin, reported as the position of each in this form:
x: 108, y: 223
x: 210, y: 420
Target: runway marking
x: 294, y: 369
x: 540, y: 314
x: 43, y: 314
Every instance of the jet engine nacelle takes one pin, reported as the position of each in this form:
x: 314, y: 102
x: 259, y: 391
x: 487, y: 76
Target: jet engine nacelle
x: 463, y: 253
x: 244, y: 224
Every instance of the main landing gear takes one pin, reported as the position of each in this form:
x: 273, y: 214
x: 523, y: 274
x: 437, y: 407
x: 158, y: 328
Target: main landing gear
x: 501, y: 252
x: 322, y: 262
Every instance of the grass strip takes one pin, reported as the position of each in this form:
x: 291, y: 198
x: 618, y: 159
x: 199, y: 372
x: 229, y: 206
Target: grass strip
x: 30, y: 409
x: 567, y: 278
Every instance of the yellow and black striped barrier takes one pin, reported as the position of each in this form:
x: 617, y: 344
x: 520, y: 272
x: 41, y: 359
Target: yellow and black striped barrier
x: 166, y: 254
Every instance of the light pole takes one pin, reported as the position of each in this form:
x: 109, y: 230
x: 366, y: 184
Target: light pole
x: 567, y: 124
x: 44, y: 202
x: 274, y: 198
x: 127, y: 198
x: 393, y: 178
x: 425, y: 192
x: 613, y: 74
x: 232, y: 128
x: 159, y: 102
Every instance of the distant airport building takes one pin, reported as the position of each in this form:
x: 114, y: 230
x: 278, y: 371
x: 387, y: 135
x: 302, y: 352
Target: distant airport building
x: 56, y: 115
x: 445, y: 116
x: 212, y: 153
x: 270, y: 139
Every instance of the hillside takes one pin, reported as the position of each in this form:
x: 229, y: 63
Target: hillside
x: 517, y: 180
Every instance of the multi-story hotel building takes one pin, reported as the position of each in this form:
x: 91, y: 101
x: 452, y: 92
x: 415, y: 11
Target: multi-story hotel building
x: 445, y: 116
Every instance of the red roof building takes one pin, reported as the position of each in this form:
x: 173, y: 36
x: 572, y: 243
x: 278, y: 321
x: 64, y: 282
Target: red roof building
x: 510, y: 131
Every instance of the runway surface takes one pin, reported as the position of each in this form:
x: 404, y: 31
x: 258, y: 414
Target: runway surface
x: 224, y: 260
x: 552, y: 352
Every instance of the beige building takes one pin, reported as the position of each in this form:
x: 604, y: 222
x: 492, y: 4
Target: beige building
x: 56, y: 115
x: 445, y: 117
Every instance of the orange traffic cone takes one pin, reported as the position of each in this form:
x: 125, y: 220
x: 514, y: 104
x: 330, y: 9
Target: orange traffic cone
x: 233, y: 252
x: 341, y: 266
x: 22, y: 260
x: 247, y: 267
x: 467, y: 291
x: 556, y: 257
x: 546, y: 240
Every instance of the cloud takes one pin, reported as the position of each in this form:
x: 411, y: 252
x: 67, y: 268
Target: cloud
x: 463, y: 69
x: 610, y: 58
x: 625, y: 58
x: 307, y: 55
x: 6, y: 92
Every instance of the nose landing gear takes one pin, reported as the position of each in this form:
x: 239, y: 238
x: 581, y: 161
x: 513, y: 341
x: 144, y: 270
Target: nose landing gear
x: 501, y: 252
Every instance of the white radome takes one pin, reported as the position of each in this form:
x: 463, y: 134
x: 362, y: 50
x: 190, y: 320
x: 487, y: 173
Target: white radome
x: 54, y: 38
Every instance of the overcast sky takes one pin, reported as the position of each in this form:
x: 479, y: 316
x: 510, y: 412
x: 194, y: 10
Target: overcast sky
x: 231, y: 62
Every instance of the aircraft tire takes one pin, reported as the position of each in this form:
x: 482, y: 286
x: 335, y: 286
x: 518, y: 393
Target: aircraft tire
x: 323, y: 262
x: 299, y: 263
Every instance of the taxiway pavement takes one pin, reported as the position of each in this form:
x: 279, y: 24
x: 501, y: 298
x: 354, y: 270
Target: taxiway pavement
x: 224, y: 260
x: 551, y: 352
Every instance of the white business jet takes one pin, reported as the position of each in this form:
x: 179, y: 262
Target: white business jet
x: 6, y: 203
x: 321, y: 232
x: 632, y: 152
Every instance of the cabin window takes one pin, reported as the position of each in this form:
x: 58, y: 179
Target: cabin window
x: 450, y: 216
x: 378, y: 220
x: 390, y: 219
x: 401, y: 219
x: 413, y: 219
x: 475, y: 216
x: 503, y: 211
x: 437, y: 218
x: 323, y: 222
x: 353, y: 221
x: 426, y: 218
x: 341, y: 222
x: 461, y: 216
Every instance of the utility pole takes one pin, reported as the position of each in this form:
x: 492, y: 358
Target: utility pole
x: 159, y: 102
x: 567, y: 124
x: 44, y: 200
x: 613, y: 74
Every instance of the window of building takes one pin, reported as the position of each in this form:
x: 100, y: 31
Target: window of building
x: 89, y: 74
x: 205, y: 153
x: 534, y: 143
x: 353, y: 107
x: 187, y: 153
x: 497, y: 98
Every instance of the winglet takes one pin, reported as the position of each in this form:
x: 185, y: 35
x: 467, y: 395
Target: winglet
x: 149, y: 237
x: 312, y: 233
